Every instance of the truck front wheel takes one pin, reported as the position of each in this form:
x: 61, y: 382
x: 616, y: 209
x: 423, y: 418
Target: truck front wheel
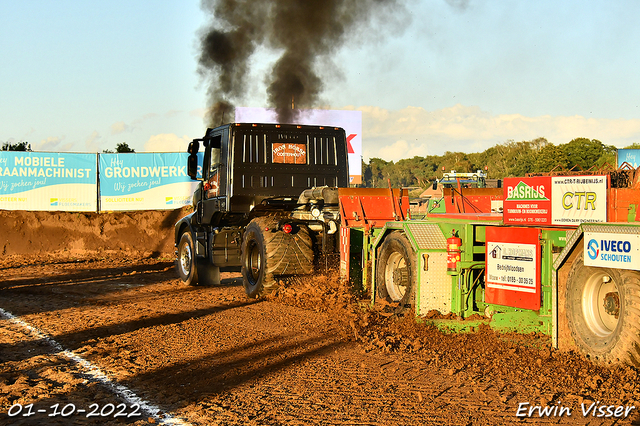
x: 603, y: 312
x: 396, y: 271
x: 193, y: 269
x: 186, y: 265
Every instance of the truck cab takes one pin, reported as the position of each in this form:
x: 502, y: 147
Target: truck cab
x: 252, y: 171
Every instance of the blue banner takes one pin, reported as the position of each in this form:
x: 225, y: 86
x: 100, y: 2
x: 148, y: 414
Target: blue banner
x: 630, y: 156
x: 50, y: 181
x: 144, y: 181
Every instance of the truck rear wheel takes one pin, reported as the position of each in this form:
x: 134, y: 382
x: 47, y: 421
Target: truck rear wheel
x: 257, y: 248
x: 603, y: 310
x: 267, y: 253
x: 396, y: 271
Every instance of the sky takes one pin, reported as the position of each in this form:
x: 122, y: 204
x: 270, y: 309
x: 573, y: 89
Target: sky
x: 440, y: 75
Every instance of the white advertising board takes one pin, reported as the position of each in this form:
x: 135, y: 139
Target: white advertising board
x: 578, y: 199
x: 512, y: 266
x: 610, y: 250
x: 350, y: 121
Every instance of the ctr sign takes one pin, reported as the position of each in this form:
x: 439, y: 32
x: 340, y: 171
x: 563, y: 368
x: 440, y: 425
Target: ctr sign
x: 579, y: 200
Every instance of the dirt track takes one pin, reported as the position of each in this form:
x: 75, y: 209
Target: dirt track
x: 311, y: 354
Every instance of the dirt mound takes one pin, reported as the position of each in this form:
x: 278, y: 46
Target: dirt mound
x: 43, y: 235
x: 483, y: 356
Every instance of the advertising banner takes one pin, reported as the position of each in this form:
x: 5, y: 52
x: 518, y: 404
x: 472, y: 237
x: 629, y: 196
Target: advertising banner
x: 513, y: 267
x: 350, y: 121
x: 630, y: 156
x: 612, y: 250
x: 526, y: 201
x: 144, y: 181
x: 557, y: 200
x: 578, y: 199
x: 48, y: 181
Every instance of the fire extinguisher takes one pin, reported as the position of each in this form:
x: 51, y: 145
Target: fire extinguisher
x: 453, y: 251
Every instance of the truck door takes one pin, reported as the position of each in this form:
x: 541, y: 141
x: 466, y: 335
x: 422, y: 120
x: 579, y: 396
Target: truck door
x: 214, y: 186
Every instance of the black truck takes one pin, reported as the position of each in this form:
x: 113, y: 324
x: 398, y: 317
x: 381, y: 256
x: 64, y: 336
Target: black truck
x: 267, y: 203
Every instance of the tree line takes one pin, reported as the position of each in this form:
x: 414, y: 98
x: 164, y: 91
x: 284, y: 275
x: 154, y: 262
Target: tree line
x: 510, y: 159
x: 26, y: 146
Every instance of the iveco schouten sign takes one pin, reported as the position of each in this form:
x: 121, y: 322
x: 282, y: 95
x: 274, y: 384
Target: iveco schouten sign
x: 611, y: 250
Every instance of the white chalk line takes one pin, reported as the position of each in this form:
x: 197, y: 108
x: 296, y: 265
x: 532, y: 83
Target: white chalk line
x: 94, y: 372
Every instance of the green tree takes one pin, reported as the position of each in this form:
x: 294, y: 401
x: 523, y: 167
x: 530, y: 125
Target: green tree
x: 503, y: 160
x: 548, y: 158
x: 608, y: 156
x: 121, y: 147
x: 366, y: 174
x: 510, y: 158
x: 18, y: 146
x: 583, y: 153
x: 377, y: 168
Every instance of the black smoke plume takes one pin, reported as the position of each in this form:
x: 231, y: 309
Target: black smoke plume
x: 307, y: 32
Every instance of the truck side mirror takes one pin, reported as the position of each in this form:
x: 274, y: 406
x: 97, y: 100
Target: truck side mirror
x: 194, y: 147
x: 192, y: 162
x: 192, y: 166
x: 435, y: 185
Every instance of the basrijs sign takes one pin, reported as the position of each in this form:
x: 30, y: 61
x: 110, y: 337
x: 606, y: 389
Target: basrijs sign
x: 524, y: 192
x: 526, y: 201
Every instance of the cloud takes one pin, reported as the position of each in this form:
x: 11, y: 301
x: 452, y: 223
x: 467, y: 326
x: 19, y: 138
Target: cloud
x: 52, y: 143
x: 407, y: 150
x: 119, y: 127
x: 167, y: 142
x: 94, y: 142
x: 394, y: 135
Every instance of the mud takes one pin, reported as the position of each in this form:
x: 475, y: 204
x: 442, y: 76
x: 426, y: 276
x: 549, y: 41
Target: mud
x: 104, y: 288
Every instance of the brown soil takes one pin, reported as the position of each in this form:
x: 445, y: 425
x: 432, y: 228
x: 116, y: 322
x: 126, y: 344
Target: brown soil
x: 59, y: 235
x: 104, y: 287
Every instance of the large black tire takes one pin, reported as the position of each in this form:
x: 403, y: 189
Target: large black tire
x: 186, y: 263
x: 396, y: 272
x: 193, y: 269
x: 267, y: 253
x: 603, y: 312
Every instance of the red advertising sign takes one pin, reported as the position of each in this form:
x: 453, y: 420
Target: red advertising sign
x: 513, y: 267
x: 289, y: 153
x: 527, y: 201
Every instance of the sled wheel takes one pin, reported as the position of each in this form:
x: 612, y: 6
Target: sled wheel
x: 396, y: 271
x: 603, y: 310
